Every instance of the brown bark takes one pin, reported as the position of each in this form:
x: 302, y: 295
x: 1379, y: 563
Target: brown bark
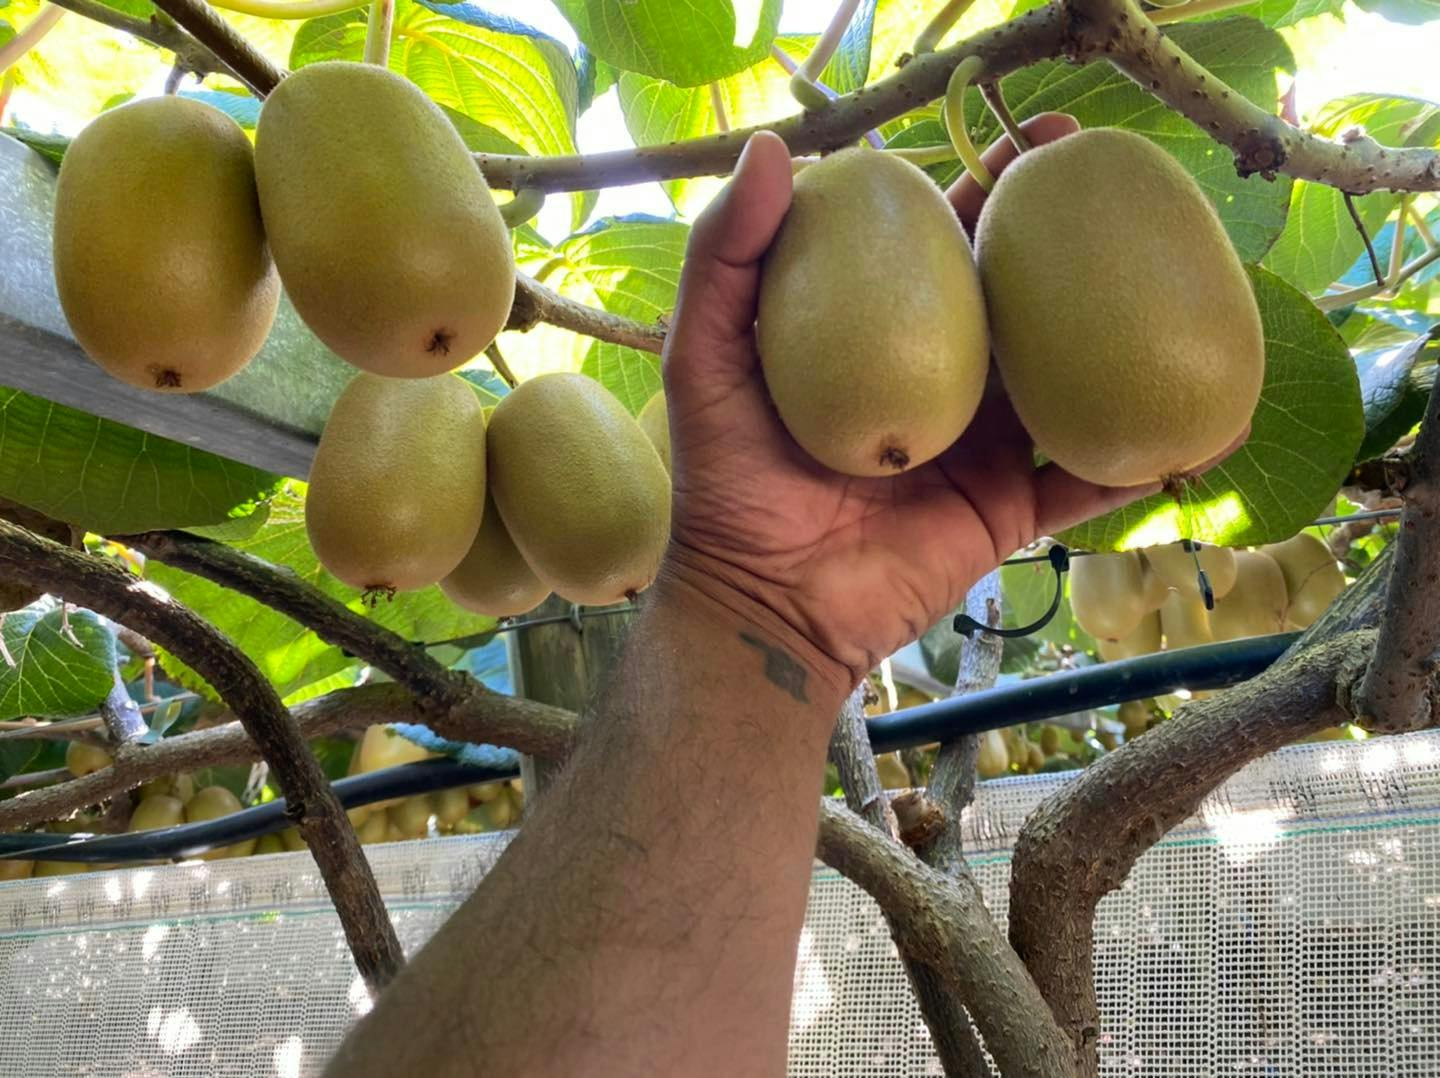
x: 245, y: 62
x: 107, y: 589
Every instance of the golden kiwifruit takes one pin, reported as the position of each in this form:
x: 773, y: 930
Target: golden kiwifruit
x: 1120, y: 381
x: 1176, y: 566
x: 654, y: 420
x: 1144, y: 639
x: 398, y: 483
x: 1256, y: 605
x: 1107, y: 594
x: 160, y: 256
x: 580, y: 488
x: 494, y: 578
x: 1312, y: 578
x: 1185, y: 622
x: 211, y: 803
x: 875, y: 362
x: 383, y: 229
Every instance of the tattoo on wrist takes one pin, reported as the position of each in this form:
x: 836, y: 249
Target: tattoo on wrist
x: 780, y: 669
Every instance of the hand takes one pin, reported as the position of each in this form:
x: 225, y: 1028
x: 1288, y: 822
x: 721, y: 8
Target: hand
x: 856, y: 567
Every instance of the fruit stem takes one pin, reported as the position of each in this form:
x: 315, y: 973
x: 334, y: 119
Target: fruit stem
x: 922, y: 155
x: 1397, y: 245
x: 525, y: 205
x: 937, y: 27
x: 995, y: 98
x: 805, y: 82
x: 289, y: 9
x: 717, y: 106
x: 1195, y: 8
x: 965, y: 72
x: 502, y: 368
x: 377, y: 32
x: 29, y: 37
x: 1421, y: 225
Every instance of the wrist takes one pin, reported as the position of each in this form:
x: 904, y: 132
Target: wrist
x: 789, y: 656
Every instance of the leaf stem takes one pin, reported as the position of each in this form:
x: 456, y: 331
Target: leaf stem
x: 1397, y: 245
x: 922, y: 155
x: 940, y: 25
x: 1421, y: 226
x: 377, y: 32
x: 717, y: 106
x: 965, y: 71
x: 502, y: 368
x: 805, y: 81
x: 29, y: 37
x: 995, y: 98
x: 1194, y: 9
x: 1336, y: 300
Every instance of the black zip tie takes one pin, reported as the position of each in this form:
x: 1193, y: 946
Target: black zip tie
x: 1059, y: 558
x: 1202, y: 578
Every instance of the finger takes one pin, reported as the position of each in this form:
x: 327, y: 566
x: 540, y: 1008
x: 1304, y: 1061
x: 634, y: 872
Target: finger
x: 967, y: 196
x: 720, y: 280
x: 1063, y: 500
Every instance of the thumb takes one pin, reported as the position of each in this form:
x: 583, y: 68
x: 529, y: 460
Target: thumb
x: 715, y: 310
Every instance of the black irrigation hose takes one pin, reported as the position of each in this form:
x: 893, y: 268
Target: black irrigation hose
x: 1213, y: 666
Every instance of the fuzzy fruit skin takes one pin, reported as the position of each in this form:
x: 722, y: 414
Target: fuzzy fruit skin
x: 1312, y: 579
x: 1256, y: 606
x: 398, y: 483
x: 1144, y: 639
x: 1123, y: 323
x: 384, y: 230
x: 875, y: 355
x: 1107, y: 594
x: 580, y: 488
x: 654, y: 420
x: 493, y: 578
x: 1185, y: 622
x: 160, y: 256
x: 1175, y: 565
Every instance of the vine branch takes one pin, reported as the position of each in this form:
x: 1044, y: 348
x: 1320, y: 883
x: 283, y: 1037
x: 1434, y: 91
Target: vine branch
x: 245, y: 62
x: 1399, y: 687
x: 107, y: 589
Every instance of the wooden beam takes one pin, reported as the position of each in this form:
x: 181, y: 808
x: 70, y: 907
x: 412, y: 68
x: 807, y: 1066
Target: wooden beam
x: 269, y: 415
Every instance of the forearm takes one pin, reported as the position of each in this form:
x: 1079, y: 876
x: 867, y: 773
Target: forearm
x: 645, y: 919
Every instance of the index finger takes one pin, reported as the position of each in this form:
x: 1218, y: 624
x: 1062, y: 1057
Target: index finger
x: 967, y: 196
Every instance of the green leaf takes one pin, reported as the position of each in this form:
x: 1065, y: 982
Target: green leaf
x: 657, y: 112
x: 1240, y: 51
x: 1303, y: 438
x: 240, y: 107
x: 849, y: 68
x: 51, y: 145
x: 17, y: 756
x: 499, y: 73
x: 111, y: 478
x: 288, y: 654
x: 1320, y: 240
x: 57, y: 672
x: 1395, y: 385
x: 630, y: 267
x: 687, y: 42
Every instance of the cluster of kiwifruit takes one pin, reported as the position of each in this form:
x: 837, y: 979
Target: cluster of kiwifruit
x: 1136, y: 602
x: 175, y: 799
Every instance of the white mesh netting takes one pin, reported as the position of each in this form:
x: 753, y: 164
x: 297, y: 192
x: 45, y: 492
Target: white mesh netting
x: 1290, y: 929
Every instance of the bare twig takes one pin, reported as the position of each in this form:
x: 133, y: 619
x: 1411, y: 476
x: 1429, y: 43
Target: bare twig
x: 1349, y: 200
x: 104, y: 587
x: 853, y: 757
x: 942, y: 922
x: 535, y: 303
x: 332, y: 621
x: 1345, y: 297
x: 1399, y: 686
x: 189, y: 53
x: 502, y: 368
x: 995, y: 98
x: 27, y: 779
x: 224, y: 41
x: 484, y: 718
